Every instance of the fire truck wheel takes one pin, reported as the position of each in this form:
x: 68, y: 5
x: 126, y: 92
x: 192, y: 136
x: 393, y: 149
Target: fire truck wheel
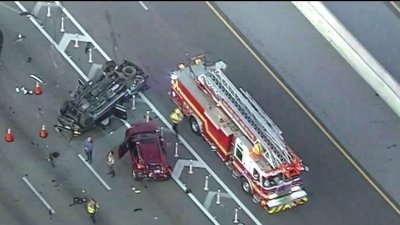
x: 246, y: 186
x: 194, y: 125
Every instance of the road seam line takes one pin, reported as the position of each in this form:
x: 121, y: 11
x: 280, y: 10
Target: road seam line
x: 143, y: 5
x: 108, y: 188
x: 41, y: 198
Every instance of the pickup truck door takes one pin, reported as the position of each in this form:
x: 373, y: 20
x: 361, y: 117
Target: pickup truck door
x: 123, y: 148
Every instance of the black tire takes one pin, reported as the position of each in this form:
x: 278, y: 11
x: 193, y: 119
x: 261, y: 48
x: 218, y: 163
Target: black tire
x: 135, y: 175
x: 246, y: 186
x: 129, y: 71
x: 109, y: 67
x: 194, y: 125
x: 64, y: 107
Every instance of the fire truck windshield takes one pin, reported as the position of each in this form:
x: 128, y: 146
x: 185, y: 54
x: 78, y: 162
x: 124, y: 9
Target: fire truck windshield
x: 271, y: 181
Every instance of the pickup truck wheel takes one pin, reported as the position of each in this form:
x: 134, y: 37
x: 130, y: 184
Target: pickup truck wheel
x: 135, y: 175
x: 194, y: 125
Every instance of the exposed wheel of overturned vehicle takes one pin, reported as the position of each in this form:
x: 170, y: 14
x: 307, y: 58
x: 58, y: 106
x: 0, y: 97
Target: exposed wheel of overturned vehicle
x: 129, y: 71
x: 109, y: 67
x: 95, y: 100
x: 135, y: 175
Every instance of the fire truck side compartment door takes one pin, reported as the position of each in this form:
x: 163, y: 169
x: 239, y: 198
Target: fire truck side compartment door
x: 241, y: 148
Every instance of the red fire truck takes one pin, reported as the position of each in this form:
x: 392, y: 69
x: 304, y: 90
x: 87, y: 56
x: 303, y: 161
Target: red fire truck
x: 242, y: 134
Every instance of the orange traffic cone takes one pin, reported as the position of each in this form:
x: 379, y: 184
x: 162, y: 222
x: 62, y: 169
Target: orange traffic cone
x: 9, y: 136
x: 38, y: 89
x: 43, y: 132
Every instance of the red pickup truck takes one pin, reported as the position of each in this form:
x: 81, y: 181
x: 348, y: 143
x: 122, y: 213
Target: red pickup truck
x: 147, y: 150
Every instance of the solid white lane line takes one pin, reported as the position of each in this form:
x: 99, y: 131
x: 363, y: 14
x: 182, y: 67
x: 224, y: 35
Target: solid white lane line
x: 162, y: 118
x: 93, y: 70
x: 83, y: 31
x: 210, y: 196
x: 108, y: 188
x: 143, y: 5
x: 33, y: 189
x: 194, y: 153
x: 197, y: 202
x: 126, y: 123
x: 33, y: 20
x: 175, y: 176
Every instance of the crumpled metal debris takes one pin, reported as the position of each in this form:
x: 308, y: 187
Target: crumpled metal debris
x: 26, y: 91
x: 37, y: 78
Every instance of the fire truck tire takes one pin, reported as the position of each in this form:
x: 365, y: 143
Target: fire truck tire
x: 246, y: 186
x: 194, y: 125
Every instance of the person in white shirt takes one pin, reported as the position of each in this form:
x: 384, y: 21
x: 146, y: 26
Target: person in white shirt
x: 110, y: 160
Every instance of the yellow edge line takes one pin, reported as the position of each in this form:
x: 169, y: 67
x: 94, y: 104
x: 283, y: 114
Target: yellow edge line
x: 346, y: 155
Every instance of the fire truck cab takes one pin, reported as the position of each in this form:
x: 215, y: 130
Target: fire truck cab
x: 244, y: 137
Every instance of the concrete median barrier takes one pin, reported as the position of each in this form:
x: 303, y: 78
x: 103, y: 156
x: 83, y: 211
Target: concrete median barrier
x: 377, y: 77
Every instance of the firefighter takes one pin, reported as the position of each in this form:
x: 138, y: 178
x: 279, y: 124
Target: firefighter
x: 91, y: 208
x: 176, y: 117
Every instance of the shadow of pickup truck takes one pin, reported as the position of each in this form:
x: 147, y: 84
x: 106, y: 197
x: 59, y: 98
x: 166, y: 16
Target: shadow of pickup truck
x: 95, y: 101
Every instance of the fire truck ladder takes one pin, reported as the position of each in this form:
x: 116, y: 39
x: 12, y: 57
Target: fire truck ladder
x: 267, y: 133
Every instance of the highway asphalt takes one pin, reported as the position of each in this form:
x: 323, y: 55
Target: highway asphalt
x: 158, y: 203
x: 158, y: 39
x: 376, y: 25
x: 344, y: 103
